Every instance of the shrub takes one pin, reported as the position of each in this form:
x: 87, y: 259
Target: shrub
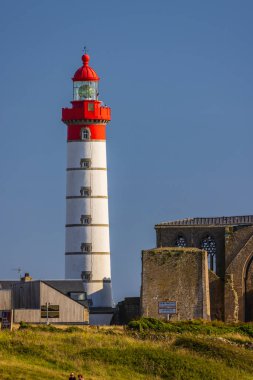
x: 192, y: 326
x: 72, y: 329
x: 23, y: 325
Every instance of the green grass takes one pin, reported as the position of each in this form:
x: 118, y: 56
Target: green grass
x: 52, y: 353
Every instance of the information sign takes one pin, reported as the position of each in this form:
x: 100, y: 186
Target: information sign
x: 167, y: 307
x: 167, y: 311
x: 6, y: 320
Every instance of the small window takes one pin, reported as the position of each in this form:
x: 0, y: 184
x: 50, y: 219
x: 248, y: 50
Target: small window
x: 86, y: 247
x: 85, y: 219
x: 86, y: 275
x: 85, y: 163
x: 85, y: 191
x: 90, y: 106
x: 78, y: 296
x: 85, y: 134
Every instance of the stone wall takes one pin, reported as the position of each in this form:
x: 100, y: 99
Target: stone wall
x: 231, y: 287
x: 216, y: 286
x: 238, y: 285
x: 126, y: 310
x: 236, y: 238
x: 175, y: 274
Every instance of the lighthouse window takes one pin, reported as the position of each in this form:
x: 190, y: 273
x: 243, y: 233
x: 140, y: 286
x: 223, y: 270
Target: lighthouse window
x: 85, y: 219
x: 85, y: 163
x: 85, y: 90
x: 86, y: 247
x: 85, y: 191
x: 86, y: 275
x: 85, y: 134
x: 90, y: 106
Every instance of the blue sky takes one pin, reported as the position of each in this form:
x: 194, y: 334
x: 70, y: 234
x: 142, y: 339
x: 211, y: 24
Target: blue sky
x: 178, y: 77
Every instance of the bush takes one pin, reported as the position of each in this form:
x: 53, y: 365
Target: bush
x: 23, y: 325
x: 246, y: 329
x: 197, y: 326
x: 72, y: 329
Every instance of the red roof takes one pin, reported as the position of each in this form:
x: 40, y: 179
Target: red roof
x: 85, y: 73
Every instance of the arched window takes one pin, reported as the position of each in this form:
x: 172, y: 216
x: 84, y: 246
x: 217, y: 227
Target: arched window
x: 180, y: 241
x: 209, y: 245
x: 85, y: 134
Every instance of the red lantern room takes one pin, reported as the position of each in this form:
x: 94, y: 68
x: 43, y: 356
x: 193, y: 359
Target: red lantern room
x: 85, y: 81
x: 86, y: 108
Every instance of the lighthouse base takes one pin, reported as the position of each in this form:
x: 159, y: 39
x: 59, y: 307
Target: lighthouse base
x: 101, y: 316
x: 99, y: 293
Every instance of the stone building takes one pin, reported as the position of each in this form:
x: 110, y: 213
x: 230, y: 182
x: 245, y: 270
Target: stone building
x: 228, y: 242
x: 175, y: 284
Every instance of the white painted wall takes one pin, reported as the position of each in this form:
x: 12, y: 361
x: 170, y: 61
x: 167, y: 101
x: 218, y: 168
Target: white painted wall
x: 98, y: 264
x: 74, y: 265
x: 96, y: 179
x: 100, y: 292
x: 86, y: 149
x: 97, y: 236
x: 96, y: 207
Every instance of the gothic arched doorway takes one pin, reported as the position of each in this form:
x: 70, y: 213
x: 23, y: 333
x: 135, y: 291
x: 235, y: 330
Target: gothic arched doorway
x: 249, y: 292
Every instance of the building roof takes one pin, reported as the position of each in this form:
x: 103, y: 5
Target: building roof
x: 66, y: 286
x: 85, y: 73
x: 8, y: 284
x: 210, y: 221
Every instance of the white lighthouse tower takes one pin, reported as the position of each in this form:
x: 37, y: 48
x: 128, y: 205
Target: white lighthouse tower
x: 87, y: 248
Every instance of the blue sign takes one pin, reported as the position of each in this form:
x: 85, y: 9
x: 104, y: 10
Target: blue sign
x: 168, y: 304
x: 167, y: 311
x: 167, y: 307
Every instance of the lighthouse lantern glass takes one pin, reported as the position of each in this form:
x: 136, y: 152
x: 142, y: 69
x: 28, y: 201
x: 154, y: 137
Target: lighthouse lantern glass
x: 86, y: 90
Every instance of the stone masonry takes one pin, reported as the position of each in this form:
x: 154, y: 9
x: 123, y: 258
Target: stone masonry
x: 175, y: 274
x: 228, y: 242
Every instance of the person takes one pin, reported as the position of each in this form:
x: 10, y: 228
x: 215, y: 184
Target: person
x: 72, y: 376
x: 80, y: 377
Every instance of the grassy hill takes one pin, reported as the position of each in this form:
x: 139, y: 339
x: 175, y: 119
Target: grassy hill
x: 149, y: 350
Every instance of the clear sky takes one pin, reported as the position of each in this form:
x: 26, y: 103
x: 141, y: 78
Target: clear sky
x: 178, y: 76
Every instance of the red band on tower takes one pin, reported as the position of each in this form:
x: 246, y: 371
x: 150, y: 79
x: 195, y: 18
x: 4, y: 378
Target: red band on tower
x: 97, y: 132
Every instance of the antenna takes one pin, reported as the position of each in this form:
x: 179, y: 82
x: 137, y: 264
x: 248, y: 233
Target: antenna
x: 85, y: 50
x: 18, y: 270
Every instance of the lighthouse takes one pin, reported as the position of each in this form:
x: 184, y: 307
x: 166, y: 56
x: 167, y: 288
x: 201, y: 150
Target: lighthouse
x: 87, y: 243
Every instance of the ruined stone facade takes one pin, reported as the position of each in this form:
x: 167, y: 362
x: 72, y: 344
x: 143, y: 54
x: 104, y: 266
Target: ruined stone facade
x: 175, y: 278
x: 126, y: 311
x: 228, y: 242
